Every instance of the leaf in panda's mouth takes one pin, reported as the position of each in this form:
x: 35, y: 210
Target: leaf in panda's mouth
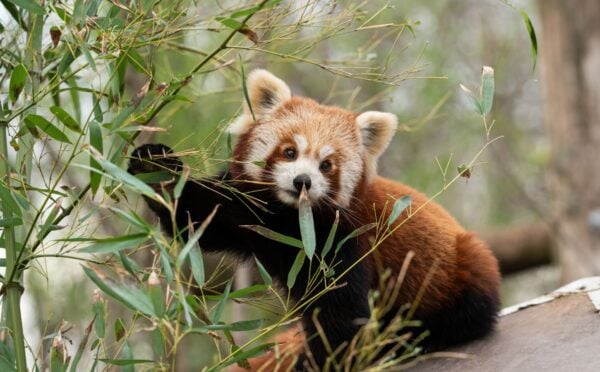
x: 307, y: 224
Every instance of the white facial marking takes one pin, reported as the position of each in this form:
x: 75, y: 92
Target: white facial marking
x: 325, y: 152
x: 285, y: 172
x: 301, y: 142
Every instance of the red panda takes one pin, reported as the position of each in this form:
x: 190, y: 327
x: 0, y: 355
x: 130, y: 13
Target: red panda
x: 286, y: 143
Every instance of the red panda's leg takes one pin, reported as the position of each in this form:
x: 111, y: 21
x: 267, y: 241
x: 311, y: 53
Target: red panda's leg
x: 198, y: 199
x: 340, y: 313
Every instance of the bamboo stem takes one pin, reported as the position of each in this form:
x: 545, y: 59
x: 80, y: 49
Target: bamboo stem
x: 12, y: 287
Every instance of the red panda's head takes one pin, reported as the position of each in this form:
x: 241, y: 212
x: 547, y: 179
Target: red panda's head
x: 294, y: 141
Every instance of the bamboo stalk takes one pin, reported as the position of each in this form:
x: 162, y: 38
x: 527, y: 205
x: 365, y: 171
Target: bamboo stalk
x: 12, y: 287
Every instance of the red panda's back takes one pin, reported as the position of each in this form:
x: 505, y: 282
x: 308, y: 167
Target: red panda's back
x: 434, y: 236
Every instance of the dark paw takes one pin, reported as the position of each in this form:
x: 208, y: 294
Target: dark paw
x: 153, y: 158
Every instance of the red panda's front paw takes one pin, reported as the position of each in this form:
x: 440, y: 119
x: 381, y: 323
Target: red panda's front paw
x: 153, y: 158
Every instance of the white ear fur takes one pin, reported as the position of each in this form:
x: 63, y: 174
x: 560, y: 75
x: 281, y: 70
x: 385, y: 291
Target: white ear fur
x: 376, y: 132
x: 266, y: 93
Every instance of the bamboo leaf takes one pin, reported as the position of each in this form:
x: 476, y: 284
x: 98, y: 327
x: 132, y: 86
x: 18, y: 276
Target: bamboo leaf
x: 532, y: 37
x: 125, y: 362
x: 270, y: 234
x: 65, y: 118
x: 96, y: 142
x: 307, y: 224
x: 263, y: 273
x: 132, y: 298
x: 116, y: 244
x: 248, y: 354
x: 126, y: 178
x: 487, y: 89
x: 10, y: 222
x: 295, y: 269
x: 221, y: 304
x: 361, y: 230
x: 30, y: 6
x: 244, y: 292
x: 197, y: 266
x: 331, y: 236
x: 45, y: 126
x: 473, y: 100
x: 17, y: 82
x: 241, y: 326
x: 9, y: 201
x: 399, y: 206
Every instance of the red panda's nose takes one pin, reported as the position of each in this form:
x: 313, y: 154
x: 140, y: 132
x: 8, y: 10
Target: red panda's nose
x: 302, y: 179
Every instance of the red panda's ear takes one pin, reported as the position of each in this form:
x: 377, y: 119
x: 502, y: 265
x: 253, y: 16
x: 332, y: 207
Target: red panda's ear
x: 266, y: 92
x: 376, y: 132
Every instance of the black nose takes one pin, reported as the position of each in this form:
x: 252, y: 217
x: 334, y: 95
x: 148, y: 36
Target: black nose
x: 302, y: 179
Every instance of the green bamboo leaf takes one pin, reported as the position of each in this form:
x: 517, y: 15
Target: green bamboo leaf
x: 532, y: 37
x: 45, y: 126
x: 127, y: 354
x: 473, y: 100
x: 361, y: 230
x: 331, y: 236
x: 96, y: 142
x: 229, y: 22
x: 295, y: 269
x: 307, y: 224
x: 16, y: 14
x: 132, y: 218
x: 9, y: 201
x: 399, y: 206
x: 99, y: 310
x: 244, y: 292
x: 263, y: 273
x: 132, y: 298
x: 10, y: 222
x: 137, y: 61
x: 270, y: 234
x: 65, y: 118
x: 181, y: 182
x: 221, y: 304
x: 126, y: 178
x: 17, y: 82
x: 197, y: 266
x: 30, y: 6
x: 59, y: 359
x: 241, y: 326
x: 255, y: 351
x: 48, y: 224
x: 487, y: 89
x: 125, y: 362
x: 246, y: 95
x: 129, y: 264
x: 155, y: 292
x: 116, y: 244
x: 119, y: 328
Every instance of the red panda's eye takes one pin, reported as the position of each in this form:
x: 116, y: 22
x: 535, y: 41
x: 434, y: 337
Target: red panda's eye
x: 290, y: 153
x: 325, y: 166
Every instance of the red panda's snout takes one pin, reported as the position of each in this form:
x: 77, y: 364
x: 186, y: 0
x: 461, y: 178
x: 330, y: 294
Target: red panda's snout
x: 297, y: 167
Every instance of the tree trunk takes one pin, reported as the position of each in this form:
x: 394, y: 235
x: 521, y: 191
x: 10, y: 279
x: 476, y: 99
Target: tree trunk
x: 570, y: 69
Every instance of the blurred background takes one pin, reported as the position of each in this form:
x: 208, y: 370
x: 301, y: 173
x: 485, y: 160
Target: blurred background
x: 534, y: 193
